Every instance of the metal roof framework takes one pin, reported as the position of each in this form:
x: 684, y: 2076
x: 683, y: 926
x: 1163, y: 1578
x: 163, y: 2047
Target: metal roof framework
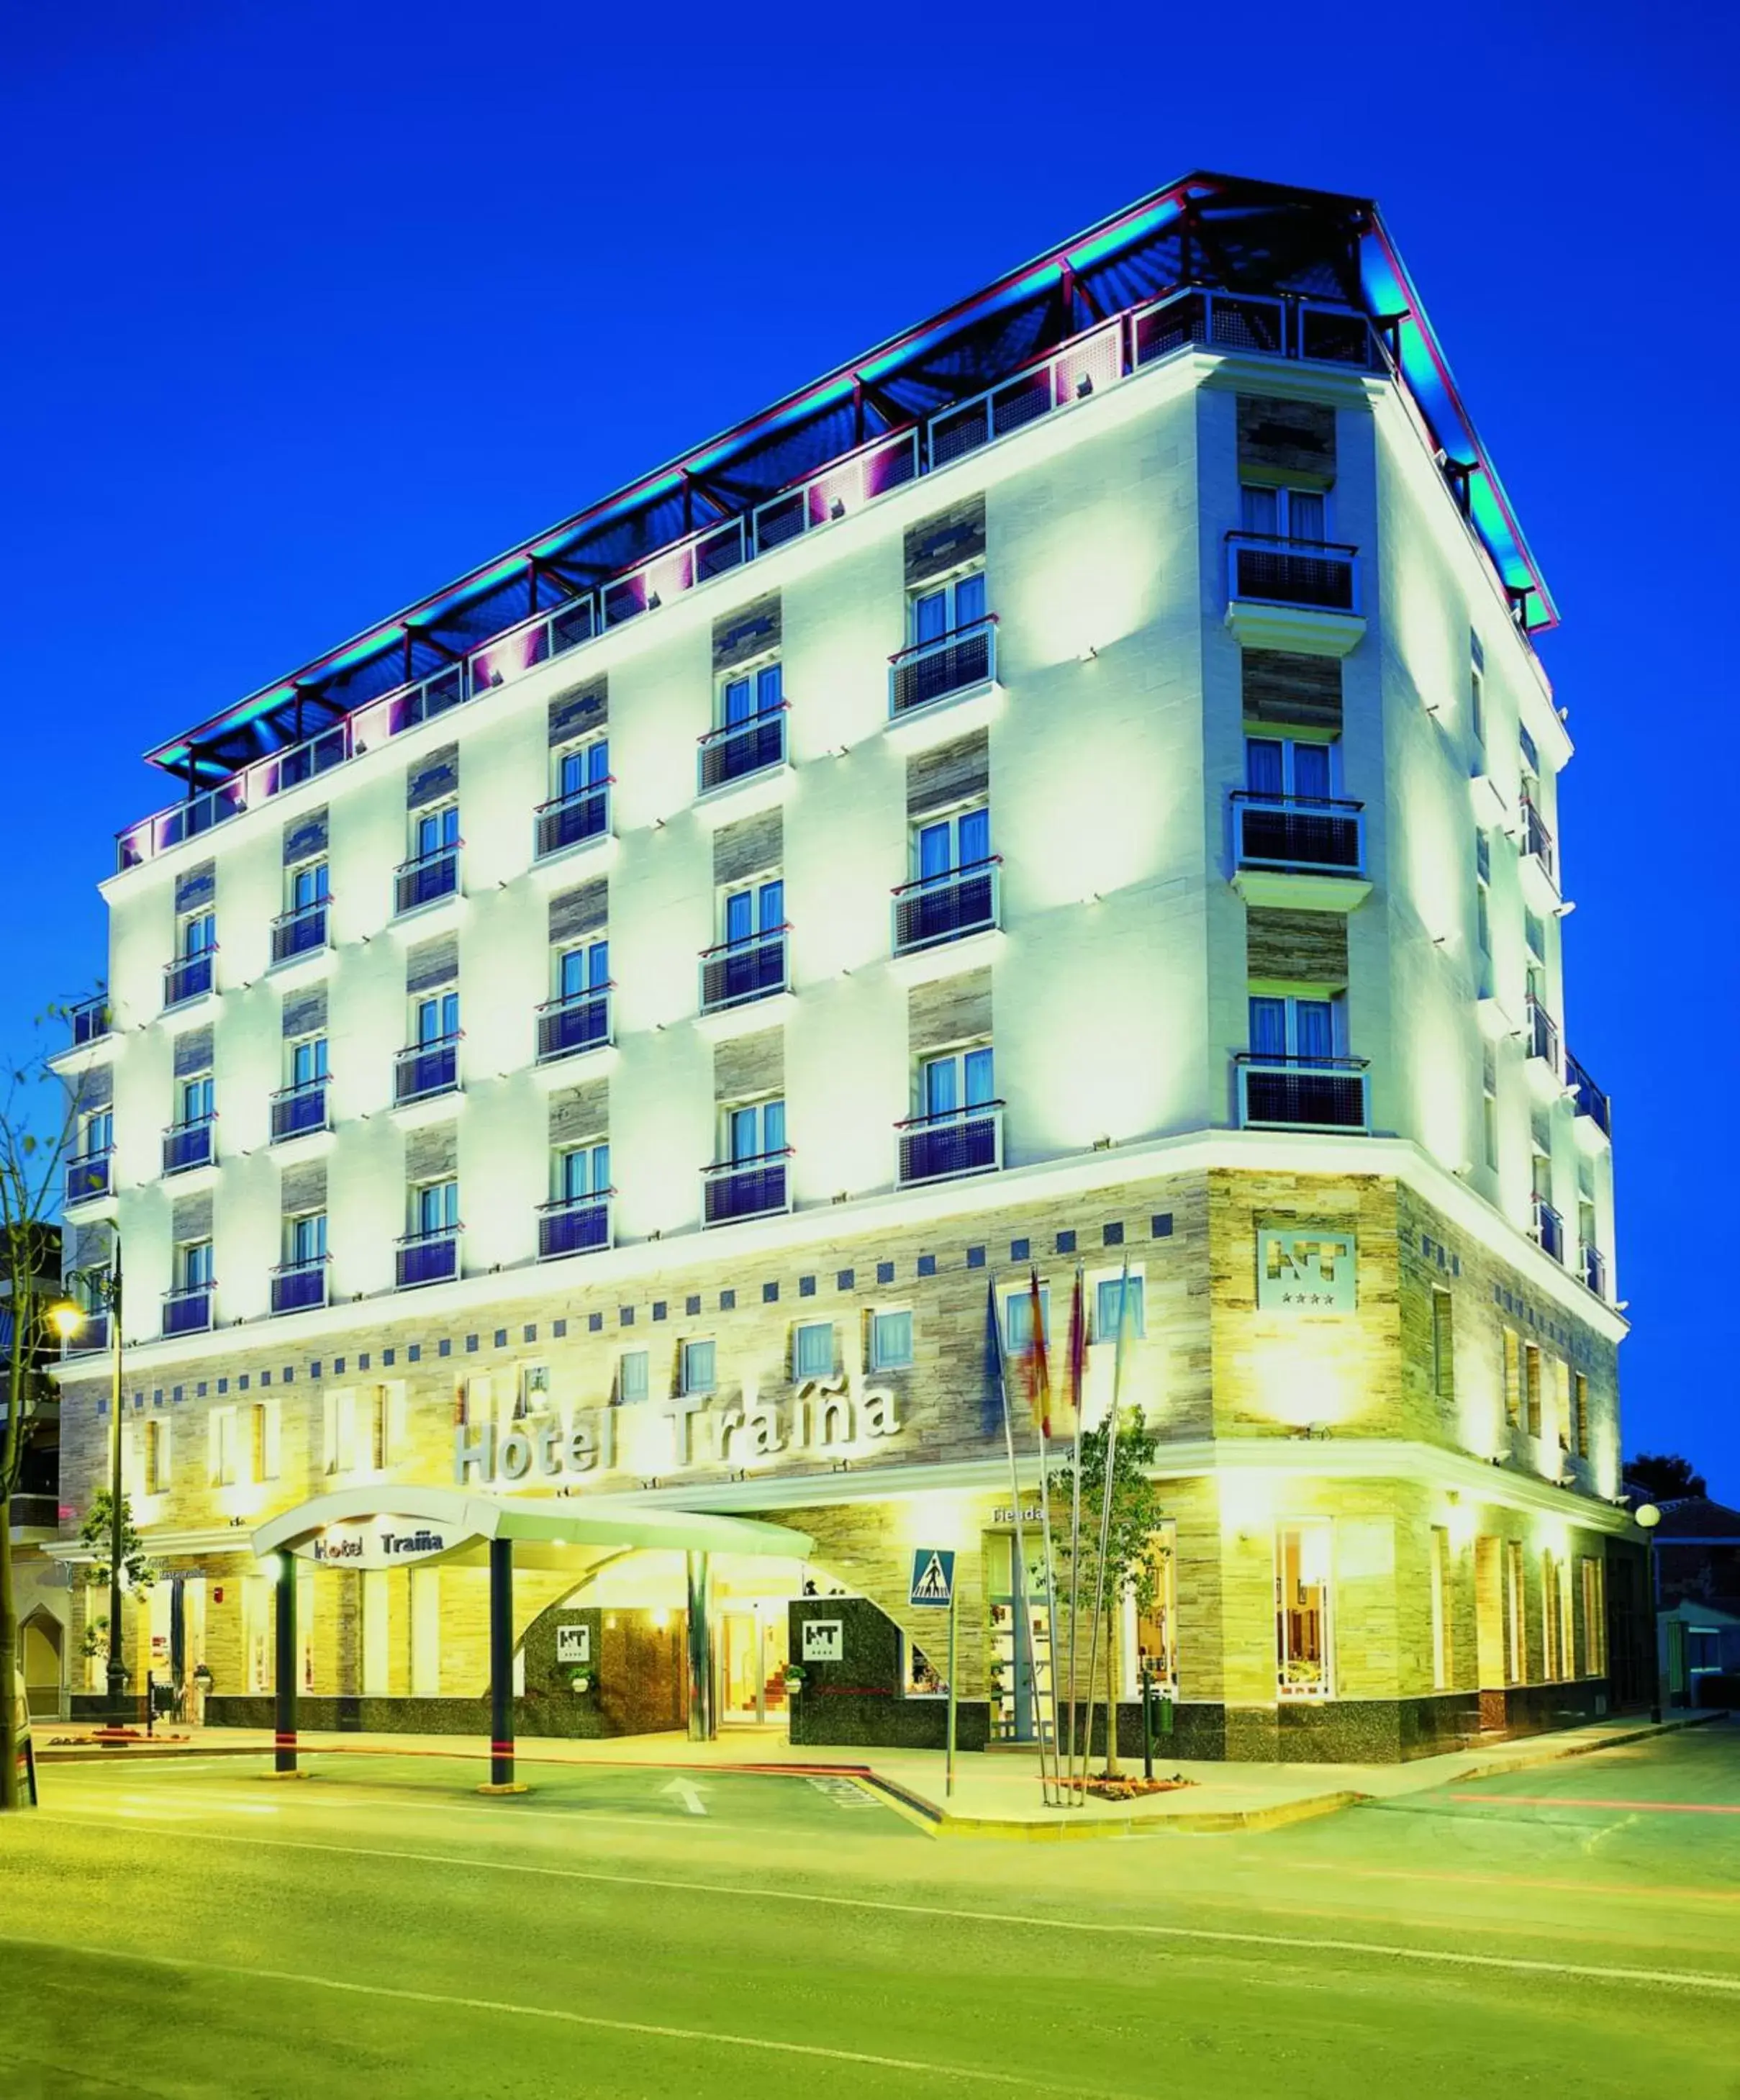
x: 1216, y: 232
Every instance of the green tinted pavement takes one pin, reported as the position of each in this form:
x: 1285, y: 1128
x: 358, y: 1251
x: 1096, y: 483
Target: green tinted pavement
x: 193, y: 1929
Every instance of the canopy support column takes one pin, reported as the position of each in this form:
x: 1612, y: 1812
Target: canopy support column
x: 285, y: 1685
x: 701, y: 1726
x: 501, y: 1779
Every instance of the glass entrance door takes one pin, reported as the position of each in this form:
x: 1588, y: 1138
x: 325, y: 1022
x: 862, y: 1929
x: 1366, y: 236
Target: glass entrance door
x: 753, y: 1651
x: 1020, y: 1643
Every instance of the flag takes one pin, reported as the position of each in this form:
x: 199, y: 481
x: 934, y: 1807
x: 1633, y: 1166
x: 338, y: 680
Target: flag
x: 1075, y: 1367
x: 1038, y: 1369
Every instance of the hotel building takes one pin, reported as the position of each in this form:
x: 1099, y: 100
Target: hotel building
x: 1074, y: 785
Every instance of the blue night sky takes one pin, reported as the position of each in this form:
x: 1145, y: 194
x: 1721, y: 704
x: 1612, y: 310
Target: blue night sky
x: 311, y: 309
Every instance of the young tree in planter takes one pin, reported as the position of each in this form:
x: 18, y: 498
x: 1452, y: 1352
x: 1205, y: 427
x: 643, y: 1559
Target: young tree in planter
x: 137, y: 1572
x: 1131, y: 1569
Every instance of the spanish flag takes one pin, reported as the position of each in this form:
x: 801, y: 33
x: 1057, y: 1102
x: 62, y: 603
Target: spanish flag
x: 1038, y: 1370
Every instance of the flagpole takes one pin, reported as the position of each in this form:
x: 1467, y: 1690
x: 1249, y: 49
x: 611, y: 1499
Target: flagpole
x: 1078, y: 1351
x: 1042, y: 1381
x: 1018, y: 1572
x: 1105, y: 1529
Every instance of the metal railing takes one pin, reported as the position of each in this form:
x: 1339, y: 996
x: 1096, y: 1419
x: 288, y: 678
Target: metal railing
x: 1540, y: 1036
x: 423, y: 1068
x: 1547, y: 1229
x: 1247, y: 321
x: 738, y: 749
x: 954, y: 663
x: 428, y: 1257
x: 1297, y: 1092
x: 190, y: 1145
x: 566, y: 1026
x: 298, y: 1110
x: 426, y: 879
x: 298, y: 1286
x: 1091, y: 363
x: 1588, y: 1098
x: 187, y: 1310
x: 947, y: 907
x: 1592, y: 1266
x: 574, y: 1224
x: 91, y: 1337
x: 734, y: 1189
x: 90, y: 1175
x: 90, y: 1020
x: 951, y: 1142
x: 300, y: 931
x: 736, y: 972
x: 1535, y: 841
x: 1264, y: 569
x: 570, y: 820
x: 1284, y: 832
x: 189, y: 977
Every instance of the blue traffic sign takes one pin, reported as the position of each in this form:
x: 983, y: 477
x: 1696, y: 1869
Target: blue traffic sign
x: 932, y: 1575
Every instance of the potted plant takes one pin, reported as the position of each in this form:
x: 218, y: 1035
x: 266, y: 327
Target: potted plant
x: 794, y: 1678
x: 581, y: 1680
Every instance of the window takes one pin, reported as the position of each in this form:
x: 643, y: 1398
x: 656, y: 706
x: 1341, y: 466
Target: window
x: 758, y: 908
x: 747, y: 693
x: 339, y: 1408
x: 1483, y: 918
x: 435, y: 832
x: 813, y: 1349
x: 1562, y: 1403
x: 1309, y: 1029
x: 943, y: 608
x: 1552, y: 1619
x: 1301, y: 1628
x: 632, y: 1386
x: 584, y: 969
x: 1512, y: 1378
x: 1594, y: 1577
x: 1284, y: 514
x: 1018, y: 1318
x: 1108, y: 1305
x: 1579, y: 1390
x: 197, y: 1099
x: 755, y: 1131
x: 436, y: 1018
x: 531, y: 1394
x: 1516, y: 1651
x: 198, y: 934
x: 951, y: 844
x: 224, y: 1442
x: 262, y: 1441
x: 1477, y: 702
x: 1441, y: 1613
x: 699, y: 1367
x: 1531, y: 1386
x: 1535, y: 933
x: 308, y: 1061
x: 155, y: 1468
x: 959, y: 1079
x: 1277, y: 766
x: 306, y: 886
x: 1529, y: 758
x: 193, y: 1265
x: 583, y: 765
x: 1443, y: 1346
x: 890, y: 1341
x: 434, y: 1207
x: 305, y: 1239
x: 582, y: 1173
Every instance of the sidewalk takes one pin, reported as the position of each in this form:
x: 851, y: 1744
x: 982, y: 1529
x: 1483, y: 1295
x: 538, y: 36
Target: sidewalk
x: 996, y: 1793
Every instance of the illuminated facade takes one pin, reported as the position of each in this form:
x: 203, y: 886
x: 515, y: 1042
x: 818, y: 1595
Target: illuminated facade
x: 1076, y: 786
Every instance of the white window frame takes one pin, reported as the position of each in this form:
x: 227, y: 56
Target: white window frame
x: 686, y: 1382
x: 877, y: 1362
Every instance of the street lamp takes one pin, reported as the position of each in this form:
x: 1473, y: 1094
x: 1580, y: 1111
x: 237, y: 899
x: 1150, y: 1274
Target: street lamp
x: 66, y: 1318
x: 1646, y: 1517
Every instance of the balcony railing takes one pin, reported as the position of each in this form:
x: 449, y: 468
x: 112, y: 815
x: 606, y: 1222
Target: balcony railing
x: 1299, y: 832
x: 1592, y: 1266
x: 300, y: 931
x: 954, y: 663
x: 566, y: 1026
x: 946, y: 907
x: 299, y: 1285
x: 736, y: 972
x: 1547, y: 1229
x: 187, y: 1310
x: 951, y: 1142
x: 1534, y: 841
x: 92, y: 1336
x: 426, y: 880
x: 298, y: 1110
x: 189, y: 977
x: 429, y: 1257
x: 1302, y: 1094
x: 746, y: 1187
x: 189, y: 1144
x: 89, y: 1021
x: 1589, y: 1098
x: 426, y: 1069
x: 1317, y: 574
x: 1540, y: 1036
x: 740, y: 748
x: 571, y: 819
x: 574, y: 1224
x: 1247, y: 321
x: 90, y: 1175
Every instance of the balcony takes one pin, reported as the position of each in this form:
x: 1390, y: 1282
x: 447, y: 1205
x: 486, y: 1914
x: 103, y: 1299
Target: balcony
x: 1299, y: 594
x: 299, y: 1111
x: 302, y: 932
x: 188, y: 1311
x: 1537, y: 861
x: 191, y: 977
x: 737, y: 972
x: 1302, y: 1094
x: 568, y: 1026
x: 1592, y: 1266
x: 742, y: 749
x: 756, y: 1188
x: 429, y: 879
x: 428, y: 1257
x: 34, y: 1512
x: 1547, y: 1229
x: 299, y: 1286
x: 1299, y: 852
x: 577, y: 1224
x: 952, y: 668
x: 89, y: 1021
x: 92, y: 1338
x: 1594, y: 1110
x: 1543, y: 1050
x: 572, y: 820
x: 951, y: 1142
x: 951, y: 907
x: 186, y: 1146
x: 90, y: 1176
x: 425, y: 1070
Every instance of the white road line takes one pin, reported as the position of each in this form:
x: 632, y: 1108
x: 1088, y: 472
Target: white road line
x: 1687, y: 1979
x: 929, y: 2067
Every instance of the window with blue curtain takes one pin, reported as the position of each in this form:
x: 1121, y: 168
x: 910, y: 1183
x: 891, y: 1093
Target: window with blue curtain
x: 962, y: 1079
x: 199, y: 935
x: 308, y: 1061
x: 308, y: 885
x: 196, y: 1099
x: 1311, y: 771
x: 436, y: 1206
x: 1268, y: 1027
x: 308, y: 1239
x: 959, y: 602
x: 1018, y: 1317
x: 196, y: 1265
x: 891, y: 1341
x: 583, y: 1172
x: 953, y: 843
x: 632, y: 1383
x: 436, y: 830
x: 753, y: 693
x: 758, y: 1127
x: 1315, y: 1026
x: 759, y: 909
x: 586, y: 766
x: 698, y: 1366
x: 438, y: 1017
x: 813, y: 1349
x: 1108, y: 1306
x: 584, y: 969
x: 1265, y: 765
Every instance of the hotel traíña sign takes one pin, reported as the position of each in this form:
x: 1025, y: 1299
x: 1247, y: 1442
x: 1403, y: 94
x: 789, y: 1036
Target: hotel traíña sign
x: 372, y: 1542
x: 819, y: 1416
x: 1306, y: 1268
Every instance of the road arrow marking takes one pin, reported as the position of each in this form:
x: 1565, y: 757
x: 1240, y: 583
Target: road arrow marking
x: 688, y: 1794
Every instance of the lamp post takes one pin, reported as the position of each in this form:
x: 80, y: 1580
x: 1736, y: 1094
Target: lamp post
x: 68, y: 1318
x: 1646, y: 1517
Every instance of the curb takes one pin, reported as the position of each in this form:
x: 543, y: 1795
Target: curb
x: 1058, y: 1830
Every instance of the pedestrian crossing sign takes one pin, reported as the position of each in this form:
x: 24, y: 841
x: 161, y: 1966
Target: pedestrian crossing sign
x: 932, y: 1575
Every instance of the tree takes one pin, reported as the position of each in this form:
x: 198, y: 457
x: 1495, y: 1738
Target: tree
x: 1664, y: 1476
x: 1131, y: 1567
x: 137, y: 1572
x: 38, y: 1119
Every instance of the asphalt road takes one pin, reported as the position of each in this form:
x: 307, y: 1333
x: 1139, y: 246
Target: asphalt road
x: 192, y: 1929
